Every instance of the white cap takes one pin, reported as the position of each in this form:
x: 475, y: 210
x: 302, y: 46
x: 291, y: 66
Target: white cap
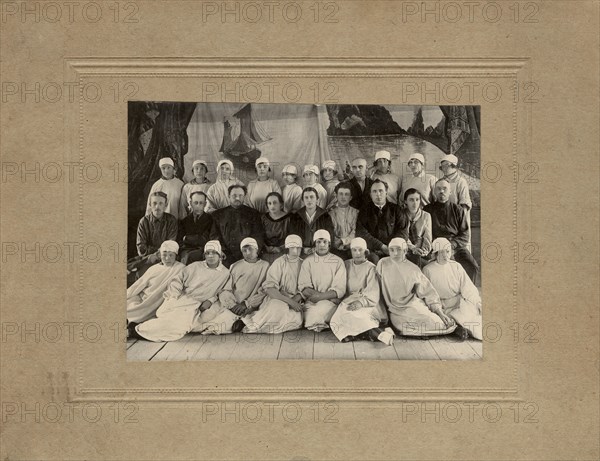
x: 311, y: 169
x: 200, y: 162
x: 322, y: 234
x: 221, y: 162
x: 330, y: 164
x: 440, y: 243
x: 166, y: 161
x: 418, y: 157
x: 453, y: 159
x: 398, y: 242
x: 358, y: 243
x: 290, y: 169
x: 249, y: 241
x: 170, y: 245
x: 293, y: 241
x: 383, y: 154
x: 214, y: 245
x: 262, y: 160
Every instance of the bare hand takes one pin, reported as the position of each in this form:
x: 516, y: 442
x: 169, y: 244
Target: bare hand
x: 354, y: 306
x: 298, y: 298
x: 205, y: 305
x: 296, y: 306
x: 239, y: 309
x: 447, y: 320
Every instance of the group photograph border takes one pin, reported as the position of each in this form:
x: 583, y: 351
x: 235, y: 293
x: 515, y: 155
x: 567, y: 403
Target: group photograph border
x: 155, y: 73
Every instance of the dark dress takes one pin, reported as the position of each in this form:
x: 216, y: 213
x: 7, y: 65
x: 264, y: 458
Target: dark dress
x: 276, y: 230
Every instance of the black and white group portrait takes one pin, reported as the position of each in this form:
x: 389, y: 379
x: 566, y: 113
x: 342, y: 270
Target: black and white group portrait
x: 301, y: 231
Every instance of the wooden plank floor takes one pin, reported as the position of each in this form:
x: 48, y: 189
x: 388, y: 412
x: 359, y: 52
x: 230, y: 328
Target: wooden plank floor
x: 301, y: 345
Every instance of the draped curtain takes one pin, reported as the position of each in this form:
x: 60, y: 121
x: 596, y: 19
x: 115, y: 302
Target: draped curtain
x: 156, y: 130
x: 294, y: 134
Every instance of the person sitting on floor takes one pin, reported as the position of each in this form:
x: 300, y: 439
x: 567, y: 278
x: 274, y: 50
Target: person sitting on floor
x: 449, y: 221
x: 194, y: 230
x: 153, y: 229
x: 145, y: 296
x: 170, y: 185
x: 459, y: 296
x: 259, y: 188
x: 414, y: 305
x: 189, y: 300
x: 361, y: 312
x: 282, y: 309
x: 322, y: 282
x: 309, y: 219
x: 199, y: 183
x: 292, y: 192
x: 242, y: 297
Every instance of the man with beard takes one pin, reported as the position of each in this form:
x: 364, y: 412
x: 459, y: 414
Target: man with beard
x: 234, y: 223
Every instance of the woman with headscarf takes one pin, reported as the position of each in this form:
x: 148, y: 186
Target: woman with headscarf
x: 259, y: 188
x: 418, y: 179
x: 145, y: 296
x: 383, y: 171
x: 322, y: 282
x: 457, y: 292
x: 329, y: 175
x: 361, y: 311
x: 218, y: 193
x: 282, y: 309
x: 199, y: 183
x: 243, y: 296
x: 190, y: 298
x: 414, y: 305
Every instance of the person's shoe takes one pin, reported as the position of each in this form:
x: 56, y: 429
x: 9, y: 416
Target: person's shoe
x: 237, y: 326
x: 348, y: 339
x: 131, y: 331
x: 386, y: 337
x: 462, y: 333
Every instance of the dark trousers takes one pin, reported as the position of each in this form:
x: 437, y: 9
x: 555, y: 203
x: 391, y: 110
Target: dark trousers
x: 466, y: 260
x: 189, y: 256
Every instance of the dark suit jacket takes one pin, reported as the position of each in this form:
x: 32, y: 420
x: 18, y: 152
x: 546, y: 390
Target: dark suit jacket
x: 232, y: 225
x: 299, y: 225
x: 360, y: 197
x: 378, y: 227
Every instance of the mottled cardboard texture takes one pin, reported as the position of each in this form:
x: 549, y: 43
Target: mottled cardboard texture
x: 547, y: 390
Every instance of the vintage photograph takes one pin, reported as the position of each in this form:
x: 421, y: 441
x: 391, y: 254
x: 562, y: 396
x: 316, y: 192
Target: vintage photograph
x: 303, y: 231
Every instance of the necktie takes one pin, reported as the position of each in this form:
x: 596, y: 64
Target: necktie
x: 412, y: 232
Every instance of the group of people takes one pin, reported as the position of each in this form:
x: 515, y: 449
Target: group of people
x: 369, y: 256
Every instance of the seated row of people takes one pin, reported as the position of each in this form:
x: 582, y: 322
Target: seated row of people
x: 378, y: 221
x: 354, y: 298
